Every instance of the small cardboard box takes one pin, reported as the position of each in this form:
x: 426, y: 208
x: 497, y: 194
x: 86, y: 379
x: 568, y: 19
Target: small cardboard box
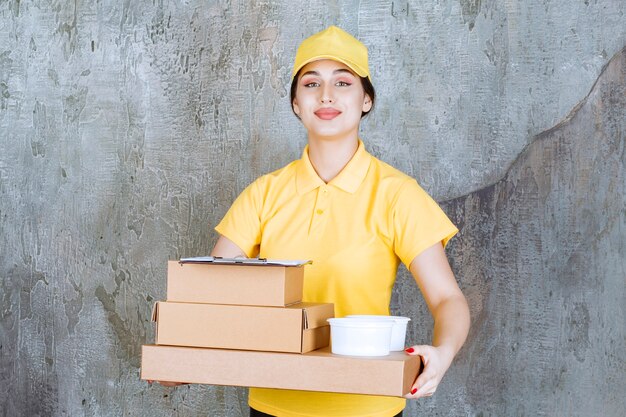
x: 235, y: 281
x: 296, y: 328
x: 319, y: 370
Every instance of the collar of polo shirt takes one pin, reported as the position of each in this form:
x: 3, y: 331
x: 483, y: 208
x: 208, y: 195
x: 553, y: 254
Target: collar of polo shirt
x: 348, y: 180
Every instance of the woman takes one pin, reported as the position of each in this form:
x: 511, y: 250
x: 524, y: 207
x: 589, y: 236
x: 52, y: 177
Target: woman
x: 355, y: 217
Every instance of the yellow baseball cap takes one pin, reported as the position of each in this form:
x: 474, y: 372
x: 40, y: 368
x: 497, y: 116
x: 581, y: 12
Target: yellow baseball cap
x: 336, y: 44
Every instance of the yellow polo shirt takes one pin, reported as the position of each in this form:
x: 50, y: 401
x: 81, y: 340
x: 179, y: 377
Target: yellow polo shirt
x: 356, y: 229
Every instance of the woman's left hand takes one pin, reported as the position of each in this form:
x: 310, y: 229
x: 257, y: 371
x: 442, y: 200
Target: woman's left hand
x: 436, y: 361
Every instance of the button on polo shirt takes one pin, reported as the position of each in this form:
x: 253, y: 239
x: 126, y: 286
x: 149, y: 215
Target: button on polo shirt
x: 356, y: 229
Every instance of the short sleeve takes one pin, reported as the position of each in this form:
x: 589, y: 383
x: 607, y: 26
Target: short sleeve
x: 242, y: 222
x: 418, y: 222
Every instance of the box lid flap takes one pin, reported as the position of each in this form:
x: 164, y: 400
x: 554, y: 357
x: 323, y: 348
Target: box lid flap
x: 155, y: 311
x: 244, y: 261
x: 315, y: 315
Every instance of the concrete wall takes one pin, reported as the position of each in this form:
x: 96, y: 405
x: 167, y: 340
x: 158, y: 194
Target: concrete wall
x: 127, y: 129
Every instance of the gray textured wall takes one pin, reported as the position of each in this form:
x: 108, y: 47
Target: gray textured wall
x: 127, y: 128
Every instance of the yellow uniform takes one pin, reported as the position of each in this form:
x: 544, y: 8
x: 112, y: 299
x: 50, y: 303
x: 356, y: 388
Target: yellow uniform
x: 356, y: 229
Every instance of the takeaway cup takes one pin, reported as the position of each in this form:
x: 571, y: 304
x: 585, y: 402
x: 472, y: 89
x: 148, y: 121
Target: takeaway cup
x: 398, y: 331
x: 360, y: 337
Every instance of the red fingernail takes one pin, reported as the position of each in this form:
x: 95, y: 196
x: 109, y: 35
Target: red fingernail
x: 409, y: 350
x: 413, y: 391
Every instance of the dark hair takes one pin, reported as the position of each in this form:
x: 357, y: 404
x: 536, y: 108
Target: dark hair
x: 368, y: 87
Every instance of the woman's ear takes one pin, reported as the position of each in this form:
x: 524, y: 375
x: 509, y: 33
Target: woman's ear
x: 296, y: 108
x: 367, y: 104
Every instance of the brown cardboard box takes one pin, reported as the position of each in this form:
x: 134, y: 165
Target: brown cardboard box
x: 319, y: 370
x: 240, y: 283
x: 296, y: 328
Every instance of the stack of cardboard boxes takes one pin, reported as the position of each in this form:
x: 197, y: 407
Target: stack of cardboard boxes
x: 242, y: 323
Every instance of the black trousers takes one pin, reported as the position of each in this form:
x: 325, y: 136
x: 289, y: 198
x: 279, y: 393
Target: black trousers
x: 256, y: 413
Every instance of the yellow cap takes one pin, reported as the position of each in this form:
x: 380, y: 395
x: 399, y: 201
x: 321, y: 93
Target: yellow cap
x: 336, y: 44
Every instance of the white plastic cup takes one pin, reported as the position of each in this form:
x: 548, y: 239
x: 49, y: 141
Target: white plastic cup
x: 360, y: 337
x: 398, y: 331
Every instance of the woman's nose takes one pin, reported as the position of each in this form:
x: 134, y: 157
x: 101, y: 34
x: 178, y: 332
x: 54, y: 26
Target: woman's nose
x: 327, y: 96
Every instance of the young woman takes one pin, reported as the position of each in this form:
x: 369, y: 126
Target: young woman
x: 355, y: 217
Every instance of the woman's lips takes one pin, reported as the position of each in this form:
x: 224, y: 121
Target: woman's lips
x: 327, y: 113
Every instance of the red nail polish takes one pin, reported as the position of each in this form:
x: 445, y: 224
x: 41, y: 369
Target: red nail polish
x: 409, y: 350
x: 413, y: 391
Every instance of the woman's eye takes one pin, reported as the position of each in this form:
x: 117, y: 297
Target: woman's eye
x: 343, y: 84
x: 312, y: 84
